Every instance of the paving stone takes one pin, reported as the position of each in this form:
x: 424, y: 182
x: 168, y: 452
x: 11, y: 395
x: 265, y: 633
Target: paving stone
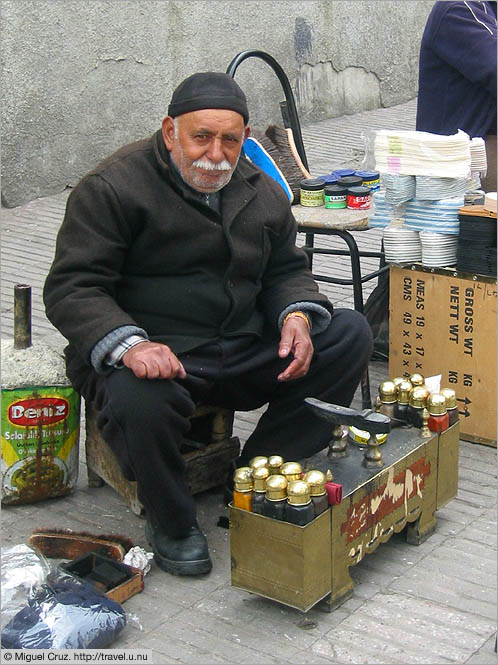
x: 184, y: 632
x: 462, y: 543
x: 452, y: 512
x: 474, y: 499
x: 309, y: 657
x: 354, y: 645
x: 449, y: 527
x: 439, y: 615
x: 481, y: 479
x: 438, y: 590
x: 170, y: 649
x: 486, y: 655
x: 417, y: 645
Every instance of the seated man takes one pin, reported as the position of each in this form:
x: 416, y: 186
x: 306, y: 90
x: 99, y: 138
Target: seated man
x: 176, y: 279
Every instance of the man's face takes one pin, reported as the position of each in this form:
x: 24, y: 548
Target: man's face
x: 205, y: 146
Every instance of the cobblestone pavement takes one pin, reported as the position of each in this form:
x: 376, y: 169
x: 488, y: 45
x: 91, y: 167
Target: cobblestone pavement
x: 435, y: 603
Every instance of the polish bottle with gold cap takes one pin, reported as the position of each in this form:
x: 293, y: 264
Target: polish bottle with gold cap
x: 242, y: 491
x: 316, y: 481
x: 275, y: 499
x: 439, y: 419
x: 418, y: 397
x: 404, y: 389
x: 291, y: 471
x: 299, y: 509
x: 451, y: 404
x: 259, y: 477
x: 387, y: 394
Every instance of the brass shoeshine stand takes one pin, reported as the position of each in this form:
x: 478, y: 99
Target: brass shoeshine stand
x: 385, y: 489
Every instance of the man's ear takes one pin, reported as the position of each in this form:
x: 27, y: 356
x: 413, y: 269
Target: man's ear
x: 168, y: 132
x: 247, y: 131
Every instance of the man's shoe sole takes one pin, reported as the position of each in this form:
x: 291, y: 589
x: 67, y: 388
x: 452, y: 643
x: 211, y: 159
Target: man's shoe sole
x: 199, y: 567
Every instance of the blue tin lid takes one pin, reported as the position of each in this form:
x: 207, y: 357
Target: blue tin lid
x: 368, y: 175
x: 328, y: 178
x: 342, y: 173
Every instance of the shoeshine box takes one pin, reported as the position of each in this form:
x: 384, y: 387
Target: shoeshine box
x: 281, y: 561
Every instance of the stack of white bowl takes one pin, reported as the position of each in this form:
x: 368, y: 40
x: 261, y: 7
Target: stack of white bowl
x: 401, y: 245
x: 438, y: 250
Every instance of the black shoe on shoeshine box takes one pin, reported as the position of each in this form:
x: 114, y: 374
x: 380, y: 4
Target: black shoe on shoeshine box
x: 179, y: 556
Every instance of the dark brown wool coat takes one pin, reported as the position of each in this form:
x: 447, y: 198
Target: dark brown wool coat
x: 134, y: 250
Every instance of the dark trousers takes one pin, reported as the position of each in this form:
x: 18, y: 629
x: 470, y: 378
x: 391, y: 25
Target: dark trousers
x: 144, y: 421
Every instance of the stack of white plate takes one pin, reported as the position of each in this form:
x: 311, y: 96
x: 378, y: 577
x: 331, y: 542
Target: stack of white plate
x: 438, y: 250
x: 398, y: 188
x: 401, y: 245
x: 436, y: 216
x: 433, y: 189
x: 422, y: 153
x: 478, y: 161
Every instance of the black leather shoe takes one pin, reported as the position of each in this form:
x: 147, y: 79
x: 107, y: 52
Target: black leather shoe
x: 179, y: 556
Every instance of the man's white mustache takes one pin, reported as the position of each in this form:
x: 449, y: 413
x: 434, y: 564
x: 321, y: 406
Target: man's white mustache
x: 208, y: 165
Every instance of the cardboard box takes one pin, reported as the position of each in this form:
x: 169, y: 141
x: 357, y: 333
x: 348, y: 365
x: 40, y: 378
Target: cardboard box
x: 279, y: 560
x: 444, y: 322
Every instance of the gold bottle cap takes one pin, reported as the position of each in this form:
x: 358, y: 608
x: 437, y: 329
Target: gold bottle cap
x: 387, y: 392
x: 298, y: 493
x: 418, y: 396
x: 259, y: 477
x: 242, y: 479
x: 316, y: 481
x: 404, y: 390
x: 436, y: 404
x: 417, y: 380
x: 258, y: 461
x: 274, y: 463
x: 276, y: 487
x: 450, y: 396
x: 426, y: 390
x: 291, y: 470
x: 329, y: 476
x: 397, y: 380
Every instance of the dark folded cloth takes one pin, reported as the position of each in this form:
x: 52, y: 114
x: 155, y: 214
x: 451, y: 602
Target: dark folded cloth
x: 66, y: 614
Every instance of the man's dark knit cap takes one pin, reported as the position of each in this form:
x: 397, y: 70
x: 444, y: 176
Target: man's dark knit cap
x: 208, y: 90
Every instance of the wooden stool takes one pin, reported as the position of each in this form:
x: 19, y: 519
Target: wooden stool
x: 209, y: 453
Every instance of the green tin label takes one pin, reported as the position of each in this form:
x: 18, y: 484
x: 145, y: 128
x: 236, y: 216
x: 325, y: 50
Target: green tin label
x: 335, y: 201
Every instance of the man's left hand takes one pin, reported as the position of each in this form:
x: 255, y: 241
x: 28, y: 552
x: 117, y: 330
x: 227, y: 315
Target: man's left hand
x: 295, y: 338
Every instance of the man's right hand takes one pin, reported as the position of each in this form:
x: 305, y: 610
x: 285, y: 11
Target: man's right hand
x: 151, y: 360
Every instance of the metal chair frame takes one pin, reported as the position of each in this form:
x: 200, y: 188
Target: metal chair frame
x: 291, y: 120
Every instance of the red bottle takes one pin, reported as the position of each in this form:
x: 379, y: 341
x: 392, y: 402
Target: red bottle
x: 439, y: 419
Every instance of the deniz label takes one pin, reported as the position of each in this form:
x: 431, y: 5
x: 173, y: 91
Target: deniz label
x: 41, y: 410
x: 40, y: 436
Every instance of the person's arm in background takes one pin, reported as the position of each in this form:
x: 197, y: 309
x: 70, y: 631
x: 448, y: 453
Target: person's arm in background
x: 464, y: 36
